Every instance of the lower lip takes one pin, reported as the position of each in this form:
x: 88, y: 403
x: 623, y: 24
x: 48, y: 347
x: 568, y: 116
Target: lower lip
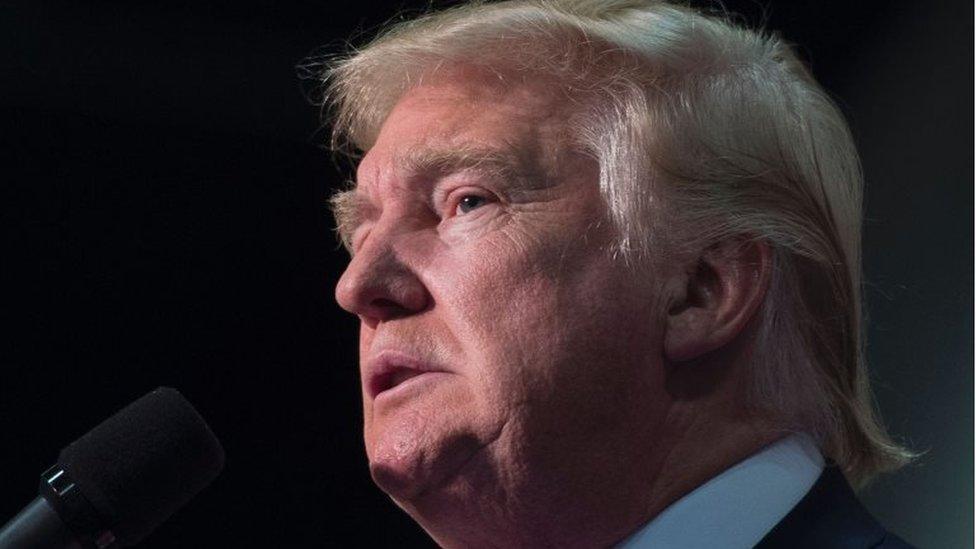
x: 414, y: 383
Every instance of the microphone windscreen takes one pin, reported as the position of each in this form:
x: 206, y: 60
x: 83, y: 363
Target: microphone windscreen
x: 145, y: 462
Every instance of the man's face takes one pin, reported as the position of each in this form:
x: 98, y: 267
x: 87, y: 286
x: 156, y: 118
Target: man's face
x: 502, y: 347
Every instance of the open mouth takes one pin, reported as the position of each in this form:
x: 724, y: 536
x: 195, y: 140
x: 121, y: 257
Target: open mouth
x: 388, y: 380
x: 390, y: 370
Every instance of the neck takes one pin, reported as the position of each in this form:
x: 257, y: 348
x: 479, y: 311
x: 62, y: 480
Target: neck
x: 617, y: 479
x: 701, y: 449
x: 706, y: 430
x: 561, y: 510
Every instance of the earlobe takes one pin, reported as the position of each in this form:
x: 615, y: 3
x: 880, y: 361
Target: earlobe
x: 721, y: 294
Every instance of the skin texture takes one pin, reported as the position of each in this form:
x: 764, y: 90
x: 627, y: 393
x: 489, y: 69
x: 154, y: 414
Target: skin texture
x: 564, y: 411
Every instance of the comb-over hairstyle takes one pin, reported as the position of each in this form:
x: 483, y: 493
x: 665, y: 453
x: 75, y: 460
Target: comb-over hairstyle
x: 703, y: 131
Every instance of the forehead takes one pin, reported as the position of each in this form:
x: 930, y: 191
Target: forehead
x: 448, y: 116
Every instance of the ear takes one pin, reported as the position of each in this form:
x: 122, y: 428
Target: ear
x: 721, y: 294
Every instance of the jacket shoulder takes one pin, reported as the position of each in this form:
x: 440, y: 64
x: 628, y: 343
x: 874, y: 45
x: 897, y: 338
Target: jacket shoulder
x: 892, y: 541
x: 830, y: 517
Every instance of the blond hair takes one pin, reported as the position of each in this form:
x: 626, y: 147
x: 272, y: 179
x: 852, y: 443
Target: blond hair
x: 703, y: 131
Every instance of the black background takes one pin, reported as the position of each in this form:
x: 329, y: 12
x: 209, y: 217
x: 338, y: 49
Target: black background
x: 163, y: 193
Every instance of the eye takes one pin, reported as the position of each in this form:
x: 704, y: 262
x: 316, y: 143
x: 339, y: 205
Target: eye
x: 469, y: 202
x: 464, y: 200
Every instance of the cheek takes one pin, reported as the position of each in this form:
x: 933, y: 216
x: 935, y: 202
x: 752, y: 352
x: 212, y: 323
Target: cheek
x: 496, y: 308
x: 509, y: 305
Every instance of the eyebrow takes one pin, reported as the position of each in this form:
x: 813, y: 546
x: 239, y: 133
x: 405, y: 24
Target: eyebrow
x: 509, y: 164
x: 506, y: 163
x: 350, y: 209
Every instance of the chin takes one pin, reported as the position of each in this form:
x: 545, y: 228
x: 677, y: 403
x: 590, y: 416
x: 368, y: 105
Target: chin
x: 401, y: 482
x: 453, y: 511
x: 410, y: 459
x: 399, y: 457
x: 465, y: 512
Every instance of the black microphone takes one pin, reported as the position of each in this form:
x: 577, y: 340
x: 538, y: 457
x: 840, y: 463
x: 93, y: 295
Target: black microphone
x: 113, y: 486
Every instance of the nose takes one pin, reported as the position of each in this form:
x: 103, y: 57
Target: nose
x: 378, y: 285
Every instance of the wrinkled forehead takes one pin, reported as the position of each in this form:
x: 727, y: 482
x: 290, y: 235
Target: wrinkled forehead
x: 444, y: 79
x: 471, y: 116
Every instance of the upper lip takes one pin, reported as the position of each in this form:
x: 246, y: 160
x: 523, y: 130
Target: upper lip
x: 389, y: 368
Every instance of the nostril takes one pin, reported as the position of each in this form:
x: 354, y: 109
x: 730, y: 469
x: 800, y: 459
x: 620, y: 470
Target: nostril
x: 383, y: 303
x: 386, y: 309
x: 380, y: 310
x: 377, y: 285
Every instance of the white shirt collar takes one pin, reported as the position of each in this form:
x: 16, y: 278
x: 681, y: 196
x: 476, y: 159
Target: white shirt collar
x: 740, y: 505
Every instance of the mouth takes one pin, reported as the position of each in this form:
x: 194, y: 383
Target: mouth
x: 384, y: 382
x: 389, y: 371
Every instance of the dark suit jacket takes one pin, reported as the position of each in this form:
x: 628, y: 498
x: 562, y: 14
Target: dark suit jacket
x: 830, y: 517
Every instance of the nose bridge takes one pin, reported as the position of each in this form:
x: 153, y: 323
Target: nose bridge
x: 376, y: 258
x: 379, y: 280
x: 384, y: 247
